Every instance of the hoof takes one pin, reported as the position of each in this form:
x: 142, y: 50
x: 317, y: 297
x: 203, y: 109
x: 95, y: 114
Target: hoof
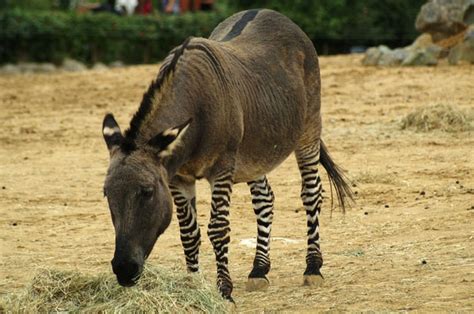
x: 257, y: 284
x: 313, y: 280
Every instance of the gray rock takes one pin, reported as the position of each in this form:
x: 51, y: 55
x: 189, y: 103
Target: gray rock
x: 444, y: 18
x: 393, y: 57
x: 73, y: 65
x: 28, y: 67
x: 116, y: 64
x: 384, y: 56
x: 464, y: 51
x: 422, y: 41
x: 46, y: 68
x: 423, y: 56
x: 469, y: 14
x: 373, y: 55
x: 99, y: 67
x: 10, y: 69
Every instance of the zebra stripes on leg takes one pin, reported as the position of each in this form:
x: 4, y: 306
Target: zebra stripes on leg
x: 311, y: 195
x: 188, y: 226
x: 262, y: 202
x: 219, y: 230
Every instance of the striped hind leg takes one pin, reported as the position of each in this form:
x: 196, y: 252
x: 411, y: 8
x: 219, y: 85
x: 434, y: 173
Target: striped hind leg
x: 311, y: 195
x: 184, y: 197
x: 219, y: 229
x: 262, y: 202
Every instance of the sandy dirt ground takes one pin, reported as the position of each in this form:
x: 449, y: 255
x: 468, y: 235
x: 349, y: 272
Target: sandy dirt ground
x: 407, y: 243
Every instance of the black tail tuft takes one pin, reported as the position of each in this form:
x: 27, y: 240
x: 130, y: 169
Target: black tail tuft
x: 336, y: 178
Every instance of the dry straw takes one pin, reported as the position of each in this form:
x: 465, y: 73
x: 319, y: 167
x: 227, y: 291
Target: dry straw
x: 445, y: 118
x: 159, y: 290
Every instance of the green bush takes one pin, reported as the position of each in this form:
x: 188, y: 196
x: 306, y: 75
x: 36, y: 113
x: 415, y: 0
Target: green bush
x: 51, y: 36
x: 343, y: 23
x: 333, y: 25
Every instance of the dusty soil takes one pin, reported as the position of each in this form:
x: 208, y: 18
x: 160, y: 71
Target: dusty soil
x: 407, y: 243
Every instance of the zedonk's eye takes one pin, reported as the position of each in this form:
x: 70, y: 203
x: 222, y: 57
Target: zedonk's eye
x: 147, y: 192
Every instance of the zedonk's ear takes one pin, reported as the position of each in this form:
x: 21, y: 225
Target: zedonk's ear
x: 111, y: 131
x: 169, y: 139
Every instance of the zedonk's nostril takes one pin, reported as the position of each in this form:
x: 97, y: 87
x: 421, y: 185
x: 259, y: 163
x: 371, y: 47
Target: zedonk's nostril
x: 127, y: 272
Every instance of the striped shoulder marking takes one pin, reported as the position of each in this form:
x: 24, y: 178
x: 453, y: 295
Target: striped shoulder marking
x: 214, y: 61
x: 241, y: 24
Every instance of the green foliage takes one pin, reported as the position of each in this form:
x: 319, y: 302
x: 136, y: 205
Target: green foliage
x: 361, y: 22
x: 27, y: 4
x: 333, y: 25
x: 52, y: 36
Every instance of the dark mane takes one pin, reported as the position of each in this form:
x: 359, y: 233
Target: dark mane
x: 128, y: 145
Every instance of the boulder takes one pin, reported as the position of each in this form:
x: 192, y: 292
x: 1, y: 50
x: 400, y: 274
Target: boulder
x: 422, y: 41
x: 99, y: 66
x: 116, y: 64
x: 464, y: 51
x: 423, y: 56
x: 444, y: 18
x: 28, y: 67
x: 45, y: 68
x: 384, y: 56
x: 393, y: 57
x: 73, y: 65
x: 373, y: 55
x: 10, y: 69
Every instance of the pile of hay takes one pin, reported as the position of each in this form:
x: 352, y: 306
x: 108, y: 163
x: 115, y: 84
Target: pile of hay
x: 159, y: 290
x: 439, y: 117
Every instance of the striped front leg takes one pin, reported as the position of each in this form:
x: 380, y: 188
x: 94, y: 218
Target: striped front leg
x: 262, y: 201
x: 311, y: 195
x: 219, y: 230
x: 185, y: 200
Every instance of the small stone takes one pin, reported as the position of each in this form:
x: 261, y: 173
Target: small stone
x: 45, y: 68
x: 355, y: 192
x: 422, y: 193
x: 386, y: 206
x: 297, y: 210
x: 354, y: 185
x: 14, y: 224
x: 366, y: 213
x: 372, y: 56
x: 424, y: 262
x: 73, y: 65
x: 461, y: 186
x: 28, y: 67
x: 116, y: 64
x: 99, y: 67
x: 4, y: 187
x: 65, y: 204
x: 457, y: 181
x: 10, y: 69
x: 423, y: 56
x: 427, y: 207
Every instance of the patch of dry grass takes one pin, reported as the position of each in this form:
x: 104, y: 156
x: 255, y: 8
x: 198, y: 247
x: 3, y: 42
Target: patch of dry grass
x: 159, y: 290
x: 445, y: 118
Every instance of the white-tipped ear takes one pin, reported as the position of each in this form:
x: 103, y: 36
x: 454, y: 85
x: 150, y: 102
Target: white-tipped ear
x: 167, y: 141
x: 111, y: 132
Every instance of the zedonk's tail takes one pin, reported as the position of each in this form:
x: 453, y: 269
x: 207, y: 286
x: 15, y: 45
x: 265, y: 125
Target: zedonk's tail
x: 336, y: 178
